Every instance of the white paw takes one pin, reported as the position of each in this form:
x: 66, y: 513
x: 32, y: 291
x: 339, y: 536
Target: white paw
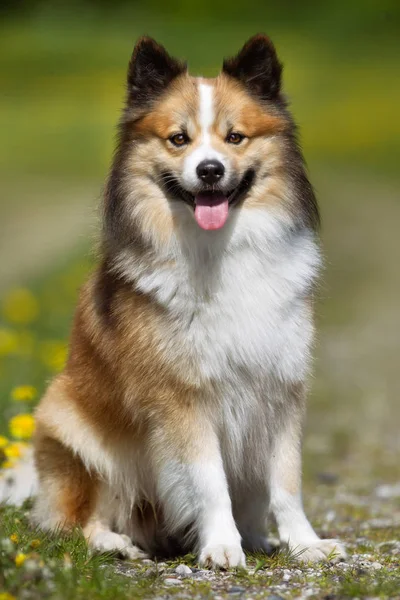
x: 108, y: 541
x: 225, y: 557
x: 319, y: 551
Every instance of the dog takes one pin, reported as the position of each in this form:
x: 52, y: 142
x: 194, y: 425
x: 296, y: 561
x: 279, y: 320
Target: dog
x: 176, y: 423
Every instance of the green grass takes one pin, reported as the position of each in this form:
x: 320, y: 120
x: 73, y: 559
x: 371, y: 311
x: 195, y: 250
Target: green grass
x: 59, y: 566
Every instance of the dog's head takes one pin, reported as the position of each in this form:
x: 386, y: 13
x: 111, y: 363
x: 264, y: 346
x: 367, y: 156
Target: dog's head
x: 206, y: 147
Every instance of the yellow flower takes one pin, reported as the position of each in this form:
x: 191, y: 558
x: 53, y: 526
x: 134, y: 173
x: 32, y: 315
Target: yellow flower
x: 8, y: 464
x: 14, y: 538
x: 20, y: 306
x: 35, y: 543
x: 15, y: 450
x: 8, y: 342
x: 22, y: 426
x: 20, y: 559
x: 3, y: 442
x: 23, y: 393
x: 54, y: 355
x: 6, y: 596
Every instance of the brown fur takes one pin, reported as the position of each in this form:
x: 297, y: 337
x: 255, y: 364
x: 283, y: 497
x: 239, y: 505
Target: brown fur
x: 74, y: 487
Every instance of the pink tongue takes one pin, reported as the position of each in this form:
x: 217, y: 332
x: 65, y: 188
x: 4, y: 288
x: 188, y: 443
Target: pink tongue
x: 211, y: 211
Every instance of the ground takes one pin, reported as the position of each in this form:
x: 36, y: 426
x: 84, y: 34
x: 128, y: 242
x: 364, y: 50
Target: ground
x: 33, y: 566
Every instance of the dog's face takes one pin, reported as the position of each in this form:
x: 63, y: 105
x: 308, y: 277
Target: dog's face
x: 209, y: 145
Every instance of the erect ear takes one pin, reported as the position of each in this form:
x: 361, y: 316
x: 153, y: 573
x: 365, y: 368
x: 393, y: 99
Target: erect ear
x: 151, y: 69
x: 257, y: 67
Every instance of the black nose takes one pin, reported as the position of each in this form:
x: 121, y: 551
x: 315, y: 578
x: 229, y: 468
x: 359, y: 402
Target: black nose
x: 210, y: 171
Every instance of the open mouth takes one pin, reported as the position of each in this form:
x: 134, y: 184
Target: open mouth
x: 211, y: 206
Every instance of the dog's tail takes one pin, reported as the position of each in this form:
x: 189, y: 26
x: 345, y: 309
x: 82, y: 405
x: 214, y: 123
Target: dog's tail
x: 19, y: 482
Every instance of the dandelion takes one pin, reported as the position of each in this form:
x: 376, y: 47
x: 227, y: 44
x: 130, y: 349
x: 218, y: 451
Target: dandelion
x: 22, y: 426
x: 6, y: 596
x: 3, y: 442
x: 14, y: 538
x: 15, y: 450
x: 20, y: 559
x: 23, y: 393
x: 20, y: 306
x: 35, y: 543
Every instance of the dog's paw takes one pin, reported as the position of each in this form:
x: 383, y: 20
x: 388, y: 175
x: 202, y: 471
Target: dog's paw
x: 222, y: 556
x: 319, y: 551
x: 108, y: 541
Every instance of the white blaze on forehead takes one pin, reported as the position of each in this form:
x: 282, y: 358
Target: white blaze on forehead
x: 205, y: 150
x: 206, y: 110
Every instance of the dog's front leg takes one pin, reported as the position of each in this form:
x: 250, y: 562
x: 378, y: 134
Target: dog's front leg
x: 295, y: 531
x: 193, y: 489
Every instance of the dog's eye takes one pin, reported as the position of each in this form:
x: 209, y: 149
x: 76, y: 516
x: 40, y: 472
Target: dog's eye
x: 235, y: 138
x: 179, y: 139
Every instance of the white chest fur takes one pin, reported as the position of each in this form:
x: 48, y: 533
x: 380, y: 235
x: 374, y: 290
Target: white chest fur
x: 237, y: 300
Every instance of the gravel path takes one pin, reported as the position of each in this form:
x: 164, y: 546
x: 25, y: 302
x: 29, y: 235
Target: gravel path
x: 367, y: 522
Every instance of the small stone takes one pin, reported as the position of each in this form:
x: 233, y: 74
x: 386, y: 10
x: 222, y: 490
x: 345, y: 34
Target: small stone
x: 151, y: 572
x: 7, y: 545
x: 376, y: 566
x: 275, y: 597
x: 147, y: 561
x: 330, y: 516
x: 202, y: 575
x: 236, y: 589
x: 183, y: 570
x: 388, y: 491
x: 172, y: 581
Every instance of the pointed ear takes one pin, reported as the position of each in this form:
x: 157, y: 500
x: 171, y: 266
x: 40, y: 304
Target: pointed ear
x: 257, y: 67
x: 151, y: 69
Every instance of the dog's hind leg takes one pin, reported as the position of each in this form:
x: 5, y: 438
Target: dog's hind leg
x: 70, y: 496
x: 67, y: 491
x: 98, y: 532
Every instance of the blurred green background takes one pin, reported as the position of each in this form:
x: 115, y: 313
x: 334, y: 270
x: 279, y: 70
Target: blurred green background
x: 62, y: 86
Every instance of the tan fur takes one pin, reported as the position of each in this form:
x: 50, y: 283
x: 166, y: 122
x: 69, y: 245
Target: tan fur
x: 64, y: 477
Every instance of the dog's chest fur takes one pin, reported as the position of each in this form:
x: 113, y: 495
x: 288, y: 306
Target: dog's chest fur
x: 236, y: 307
x: 239, y: 325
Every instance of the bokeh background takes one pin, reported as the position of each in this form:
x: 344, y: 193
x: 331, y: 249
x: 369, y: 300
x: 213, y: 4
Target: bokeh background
x: 62, y: 85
